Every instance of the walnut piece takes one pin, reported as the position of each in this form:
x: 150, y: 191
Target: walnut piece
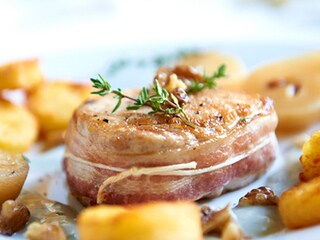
x: 13, y: 217
x: 222, y: 221
x: 174, y: 83
x: 178, y: 76
x: 259, y: 196
x: 48, y: 231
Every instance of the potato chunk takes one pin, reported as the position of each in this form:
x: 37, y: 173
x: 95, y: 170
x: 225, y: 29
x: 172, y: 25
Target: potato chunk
x: 47, y: 231
x: 53, y: 103
x: 294, y: 86
x: 13, y: 172
x: 151, y: 221
x: 18, y: 128
x: 310, y: 158
x: 299, y: 206
x: 21, y: 74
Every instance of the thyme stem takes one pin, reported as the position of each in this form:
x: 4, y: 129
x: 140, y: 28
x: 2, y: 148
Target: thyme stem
x: 157, y: 102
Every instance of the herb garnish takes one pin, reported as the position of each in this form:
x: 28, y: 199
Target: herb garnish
x: 25, y: 158
x: 209, y: 81
x: 160, y: 102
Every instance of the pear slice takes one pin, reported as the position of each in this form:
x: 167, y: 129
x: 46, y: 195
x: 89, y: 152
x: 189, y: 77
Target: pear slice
x: 13, y: 172
x: 294, y: 85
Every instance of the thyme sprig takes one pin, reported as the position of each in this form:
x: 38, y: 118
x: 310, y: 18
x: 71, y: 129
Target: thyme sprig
x: 209, y: 81
x: 161, y: 101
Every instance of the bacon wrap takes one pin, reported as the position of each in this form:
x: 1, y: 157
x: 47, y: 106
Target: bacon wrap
x: 133, y: 157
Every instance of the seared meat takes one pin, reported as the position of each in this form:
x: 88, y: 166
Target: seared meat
x: 131, y: 156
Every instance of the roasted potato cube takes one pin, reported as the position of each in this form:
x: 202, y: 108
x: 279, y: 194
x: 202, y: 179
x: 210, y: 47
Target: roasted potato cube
x: 310, y: 158
x: 211, y: 61
x: 14, y: 169
x: 22, y: 74
x: 299, y: 206
x: 294, y: 85
x: 151, y: 221
x: 18, y: 128
x: 53, y: 103
x: 47, y: 231
x: 52, y: 139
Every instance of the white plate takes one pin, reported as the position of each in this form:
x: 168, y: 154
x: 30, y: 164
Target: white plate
x: 46, y: 175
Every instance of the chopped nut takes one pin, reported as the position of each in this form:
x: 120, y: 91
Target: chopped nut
x: 213, y: 220
x: 13, y: 217
x: 259, y: 196
x: 174, y: 83
x: 48, y: 231
x: 188, y: 72
x: 178, y: 77
x: 222, y: 221
x: 181, y: 95
x: 163, y: 76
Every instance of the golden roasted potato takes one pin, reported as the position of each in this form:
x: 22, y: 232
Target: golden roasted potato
x: 18, y: 128
x: 53, y: 103
x: 52, y: 139
x: 310, y: 158
x: 299, y: 206
x: 47, y: 231
x: 151, y: 221
x: 294, y: 85
x: 211, y: 61
x: 13, y: 172
x: 21, y: 74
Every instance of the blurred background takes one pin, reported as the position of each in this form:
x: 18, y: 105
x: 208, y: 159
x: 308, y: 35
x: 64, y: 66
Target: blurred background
x: 103, y: 30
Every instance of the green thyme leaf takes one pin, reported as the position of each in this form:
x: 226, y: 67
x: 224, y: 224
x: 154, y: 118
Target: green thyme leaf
x: 159, y: 102
x: 174, y: 99
x: 209, y: 81
x: 117, y: 105
x: 101, y: 84
x: 25, y: 158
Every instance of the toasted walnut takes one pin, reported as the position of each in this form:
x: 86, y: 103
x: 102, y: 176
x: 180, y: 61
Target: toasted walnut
x: 212, y: 220
x: 222, y: 221
x: 181, y: 95
x: 162, y: 76
x: 174, y: 83
x: 13, y: 217
x: 167, y: 77
x: 188, y: 72
x: 259, y: 196
x: 48, y: 231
